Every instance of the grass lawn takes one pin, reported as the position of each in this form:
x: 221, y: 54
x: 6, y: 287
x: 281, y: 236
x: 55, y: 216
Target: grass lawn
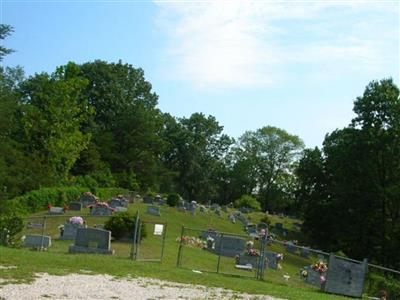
x: 57, y: 260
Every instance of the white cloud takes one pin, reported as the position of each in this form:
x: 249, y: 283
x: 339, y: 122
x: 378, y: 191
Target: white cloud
x: 242, y: 43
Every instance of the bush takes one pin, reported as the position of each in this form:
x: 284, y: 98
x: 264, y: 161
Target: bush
x: 38, y: 200
x: 173, y: 199
x: 122, y: 225
x: 266, y: 220
x: 247, y: 201
x: 378, y: 283
x: 10, y: 226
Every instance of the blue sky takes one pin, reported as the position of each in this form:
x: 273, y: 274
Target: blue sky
x: 297, y: 65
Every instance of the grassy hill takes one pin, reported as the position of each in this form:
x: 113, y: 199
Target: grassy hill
x: 57, y: 260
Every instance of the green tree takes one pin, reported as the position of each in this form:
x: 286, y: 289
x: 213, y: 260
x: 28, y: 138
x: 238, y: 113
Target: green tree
x: 356, y: 183
x: 126, y: 124
x: 196, y: 146
x: 5, y: 30
x: 53, y: 115
x: 266, y: 159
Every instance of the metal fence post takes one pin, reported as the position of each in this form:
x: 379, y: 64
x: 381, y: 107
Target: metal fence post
x: 163, y: 241
x: 178, y: 261
x: 219, y: 251
x: 43, y: 227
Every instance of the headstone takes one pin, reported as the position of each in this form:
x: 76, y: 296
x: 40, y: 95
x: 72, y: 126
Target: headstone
x: 249, y: 260
x: 245, y: 210
x: 252, y: 230
x: 186, y: 205
x: 35, y: 225
x: 193, y: 209
x: 242, y: 219
x: 181, y: 209
x: 262, y: 225
x: 291, y: 248
x: 70, y: 230
x: 305, y: 252
x: 345, y: 277
x: 101, y: 210
x: 218, y: 212
x: 76, y: 206
x: 118, y: 202
x: 56, y: 211
x: 272, y: 259
x: 162, y: 201
x: 313, y: 277
x: 214, y: 206
x: 232, y: 218
x: 153, y: 210
x: 229, y: 246
x: 148, y: 200
x: 121, y: 209
x: 37, y: 241
x: 209, y: 233
x: 203, y: 209
x: 92, y: 240
x: 87, y: 199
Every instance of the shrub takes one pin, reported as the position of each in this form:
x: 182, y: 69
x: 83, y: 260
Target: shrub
x: 378, y: 283
x: 266, y: 220
x: 173, y: 199
x: 247, y: 201
x: 38, y: 200
x: 122, y: 225
x: 10, y: 226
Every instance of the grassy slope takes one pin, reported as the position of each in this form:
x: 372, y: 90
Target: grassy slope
x: 58, y: 261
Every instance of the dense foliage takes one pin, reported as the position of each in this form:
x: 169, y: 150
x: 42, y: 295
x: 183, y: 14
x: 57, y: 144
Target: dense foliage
x: 352, y: 185
x: 97, y: 124
x: 122, y: 225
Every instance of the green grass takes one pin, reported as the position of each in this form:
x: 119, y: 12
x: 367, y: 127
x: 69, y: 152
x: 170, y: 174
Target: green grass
x: 57, y: 261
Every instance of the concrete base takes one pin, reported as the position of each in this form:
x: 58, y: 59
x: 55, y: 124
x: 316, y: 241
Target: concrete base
x: 78, y: 249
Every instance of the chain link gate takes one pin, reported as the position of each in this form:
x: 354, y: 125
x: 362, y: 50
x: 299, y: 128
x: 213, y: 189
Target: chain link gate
x: 148, y: 240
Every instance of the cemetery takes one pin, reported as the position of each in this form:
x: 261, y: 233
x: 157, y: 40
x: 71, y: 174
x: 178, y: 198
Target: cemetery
x: 235, y: 253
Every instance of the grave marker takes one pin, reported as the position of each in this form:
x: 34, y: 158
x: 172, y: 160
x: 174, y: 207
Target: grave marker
x: 92, y: 240
x: 345, y: 277
x: 70, y: 230
x: 229, y: 246
x: 154, y: 210
x: 56, y: 211
x: 37, y: 241
x: 76, y: 206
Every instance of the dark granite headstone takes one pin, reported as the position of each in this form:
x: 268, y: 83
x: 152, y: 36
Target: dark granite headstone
x: 262, y: 225
x: 313, y: 277
x: 87, y: 199
x: 291, y: 248
x: 70, y: 230
x: 251, y: 229
x: 101, y: 211
x: 37, y: 241
x: 248, y: 260
x: 272, y: 259
x: 305, y: 252
x: 92, y: 240
x: 148, y: 200
x: 153, y: 210
x: 76, y: 206
x: 345, y: 277
x: 229, y: 246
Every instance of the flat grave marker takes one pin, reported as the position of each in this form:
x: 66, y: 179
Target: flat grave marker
x: 154, y: 210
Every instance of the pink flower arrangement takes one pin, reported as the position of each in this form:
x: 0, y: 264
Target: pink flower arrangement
x: 76, y: 220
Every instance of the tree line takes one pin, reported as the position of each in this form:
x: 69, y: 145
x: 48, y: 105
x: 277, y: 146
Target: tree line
x: 97, y: 124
